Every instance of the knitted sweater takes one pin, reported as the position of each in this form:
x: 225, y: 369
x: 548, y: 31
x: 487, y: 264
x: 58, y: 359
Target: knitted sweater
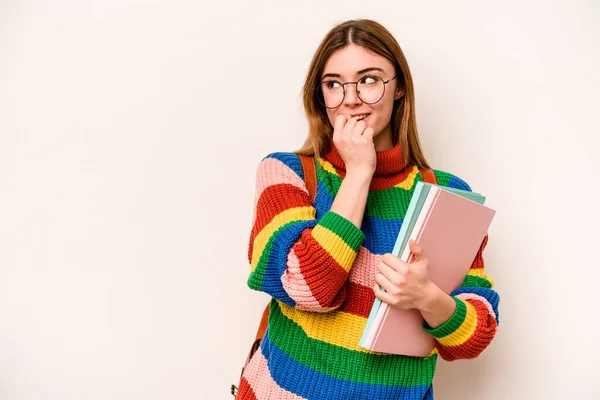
x: 320, y: 269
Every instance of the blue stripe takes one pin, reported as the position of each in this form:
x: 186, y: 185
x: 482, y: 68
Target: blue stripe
x: 381, y: 234
x: 429, y: 394
x: 457, y: 183
x: 314, y: 385
x: 323, y: 200
x: 277, y: 263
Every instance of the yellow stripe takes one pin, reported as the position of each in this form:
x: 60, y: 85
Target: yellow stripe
x: 464, y: 331
x: 408, y: 183
x: 335, y: 246
x: 292, y: 214
x: 336, y: 328
x: 480, y: 272
x: 326, y: 165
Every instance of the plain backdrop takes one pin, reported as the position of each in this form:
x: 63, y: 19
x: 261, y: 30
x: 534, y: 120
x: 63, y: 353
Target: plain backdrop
x: 130, y: 132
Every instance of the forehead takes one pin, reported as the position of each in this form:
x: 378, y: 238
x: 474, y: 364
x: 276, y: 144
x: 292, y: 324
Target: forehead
x: 353, y: 58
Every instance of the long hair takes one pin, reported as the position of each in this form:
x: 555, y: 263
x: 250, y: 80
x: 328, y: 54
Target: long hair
x: 376, y: 38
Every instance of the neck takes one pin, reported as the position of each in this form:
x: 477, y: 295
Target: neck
x: 389, y: 162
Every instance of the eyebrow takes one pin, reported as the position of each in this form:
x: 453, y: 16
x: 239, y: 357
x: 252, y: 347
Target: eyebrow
x: 362, y: 71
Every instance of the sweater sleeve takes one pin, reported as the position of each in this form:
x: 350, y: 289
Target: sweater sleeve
x: 295, y: 257
x: 472, y: 327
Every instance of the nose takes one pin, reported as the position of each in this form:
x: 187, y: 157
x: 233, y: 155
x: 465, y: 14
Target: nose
x: 351, y: 98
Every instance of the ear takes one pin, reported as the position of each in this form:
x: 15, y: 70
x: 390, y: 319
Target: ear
x: 399, y: 93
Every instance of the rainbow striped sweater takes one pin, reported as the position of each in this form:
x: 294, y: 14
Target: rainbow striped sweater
x: 320, y: 268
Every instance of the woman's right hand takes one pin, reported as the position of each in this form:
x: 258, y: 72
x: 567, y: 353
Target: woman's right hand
x: 354, y: 142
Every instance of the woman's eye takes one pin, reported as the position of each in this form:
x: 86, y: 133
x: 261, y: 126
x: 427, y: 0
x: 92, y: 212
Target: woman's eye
x: 368, y: 80
x: 332, y: 85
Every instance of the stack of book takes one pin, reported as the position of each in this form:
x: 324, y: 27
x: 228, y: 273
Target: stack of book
x: 449, y: 225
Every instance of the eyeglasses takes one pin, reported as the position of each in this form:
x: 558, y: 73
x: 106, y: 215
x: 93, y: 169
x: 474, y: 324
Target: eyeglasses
x: 369, y: 89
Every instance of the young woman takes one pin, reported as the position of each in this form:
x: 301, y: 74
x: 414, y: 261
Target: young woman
x: 324, y: 262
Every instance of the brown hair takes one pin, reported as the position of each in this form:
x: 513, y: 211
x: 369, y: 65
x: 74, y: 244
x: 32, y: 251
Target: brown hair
x: 376, y: 38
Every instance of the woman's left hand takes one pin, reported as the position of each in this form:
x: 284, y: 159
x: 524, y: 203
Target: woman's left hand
x: 406, y: 285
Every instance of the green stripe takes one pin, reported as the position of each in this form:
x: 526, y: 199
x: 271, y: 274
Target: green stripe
x: 395, y: 201
x: 395, y: 198
x: 256, y: 277
x: 334, y: 222
x: 443, y: 177
x: 332, y: 182
x: 343, y: 228
x: 342, y: 363
x: 453, y: 323
x: 476, y: 281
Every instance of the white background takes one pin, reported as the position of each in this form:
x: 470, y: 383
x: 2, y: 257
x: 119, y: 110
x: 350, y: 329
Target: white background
x: 129, y: 136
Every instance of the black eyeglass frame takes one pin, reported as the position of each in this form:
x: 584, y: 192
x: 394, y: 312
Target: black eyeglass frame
x: 321, y: 96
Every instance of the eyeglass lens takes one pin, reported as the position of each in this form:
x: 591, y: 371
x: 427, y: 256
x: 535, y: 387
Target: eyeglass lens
x: 370, y: 89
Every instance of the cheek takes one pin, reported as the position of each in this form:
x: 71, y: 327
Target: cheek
x: 387, y: 106
x: 383, y: 113
x: 331, y: 116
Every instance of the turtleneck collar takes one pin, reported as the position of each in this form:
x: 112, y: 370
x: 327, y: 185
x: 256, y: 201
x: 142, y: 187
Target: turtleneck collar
x: 389, y: 162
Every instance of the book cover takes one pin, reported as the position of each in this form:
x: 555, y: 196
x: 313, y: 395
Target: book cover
x: 450, y: 229
x: 414, y: 208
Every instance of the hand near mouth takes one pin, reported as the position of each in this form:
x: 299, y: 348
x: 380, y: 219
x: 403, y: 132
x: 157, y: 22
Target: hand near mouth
x: 354, y: 142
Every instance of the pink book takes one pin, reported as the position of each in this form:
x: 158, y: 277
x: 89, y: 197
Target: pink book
x: 450, y: 230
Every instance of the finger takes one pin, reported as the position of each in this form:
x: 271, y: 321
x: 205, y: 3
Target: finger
x: 358, y: 129
x: 416, y: 250
x: 385, y: 283
x: 338, y: 126
x: 350, y: 123
x: 384, y: 296
x: 392, y: 285
x: 340, y: 121
x: 396, y: 278
x: 368, y: 134
x: 393, y: 262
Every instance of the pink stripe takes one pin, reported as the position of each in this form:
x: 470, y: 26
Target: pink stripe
x: 264, y: 387
x: 296, y: 287
x: 272, y: 172
x: 365, y: 267
x: 473, y: 296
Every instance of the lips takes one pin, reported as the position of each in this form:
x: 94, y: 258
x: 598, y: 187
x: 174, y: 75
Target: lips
x: 360, y: 117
